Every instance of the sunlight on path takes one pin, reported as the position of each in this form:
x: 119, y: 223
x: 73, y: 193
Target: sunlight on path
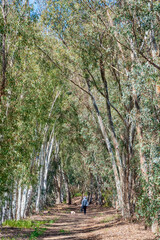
x: 98, y: 224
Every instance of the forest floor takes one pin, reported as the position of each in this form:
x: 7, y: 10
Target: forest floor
x: 98, y: 224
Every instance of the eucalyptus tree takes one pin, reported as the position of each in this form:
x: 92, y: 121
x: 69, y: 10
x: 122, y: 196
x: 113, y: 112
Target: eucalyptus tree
x: 27, y: 98
x: 83, y: 45
x: 139, y: 38
x: 103, y: 56
x: 79, y: 101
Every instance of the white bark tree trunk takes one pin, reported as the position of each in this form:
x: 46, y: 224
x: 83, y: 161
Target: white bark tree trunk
x: 47, y: 160
x: 44, y: 160
x: 4, y: 207
x: 28, y: 200
x: 109, y: 148
x: 40, y: 165
x: 18, y: 212
x: 23, y: 201
x: 14, y: 200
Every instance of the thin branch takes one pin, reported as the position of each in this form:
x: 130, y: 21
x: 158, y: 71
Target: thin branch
x: 116, y: 69
x: 105, y: 97
x: 95, y: 83
x: 118, y: 113
x: 49, y: 57
x: 149, y: 60
x: 80, y: 87
x: 53, y: 104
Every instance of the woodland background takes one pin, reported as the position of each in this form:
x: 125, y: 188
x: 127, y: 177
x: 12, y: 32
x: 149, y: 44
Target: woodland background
x: 80, y: 105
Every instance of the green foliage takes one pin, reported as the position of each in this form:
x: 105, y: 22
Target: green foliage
x: 37, y: 233
x: 63, y: 231
x: 65, y: 46
x: 52, y: 221
x: 148, y: 202
x: 27, y: 223
x: 8, y: 238
x: 78, y: 194
x: 107, y: 196
x: 19, y: 223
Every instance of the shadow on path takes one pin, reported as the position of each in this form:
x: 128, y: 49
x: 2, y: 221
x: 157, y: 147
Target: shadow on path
x: 99, y: 224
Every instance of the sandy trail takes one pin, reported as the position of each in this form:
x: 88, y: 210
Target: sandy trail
x: 98, y: 224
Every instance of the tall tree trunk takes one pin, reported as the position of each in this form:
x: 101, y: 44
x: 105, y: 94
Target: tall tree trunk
x: 68, y: 193
x: 58, y: 187
x: 143, y: 163
x: 124, y: 179
x: 154, y: 50
x: 4, y: 208
x: 19, y: 197
x: 14, y: 200
x: 67, y: 189
x: 99, y: 191
x: 44, y: 159
x: 39, y: 184
x: 47, y: 159
x: 58, y: 177
x: 23, y: 201
x: 135, y: 98
x: 109, y: 148
x: 91, y: 188
x: 28, y: 201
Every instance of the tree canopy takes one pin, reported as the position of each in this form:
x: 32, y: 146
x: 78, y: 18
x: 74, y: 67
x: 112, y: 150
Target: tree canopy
x: 80, y: 105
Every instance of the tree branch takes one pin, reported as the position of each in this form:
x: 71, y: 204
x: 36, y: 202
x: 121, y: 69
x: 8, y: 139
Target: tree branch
x: 49, y: 57
x: 80, y: 88
x: 149, y: 60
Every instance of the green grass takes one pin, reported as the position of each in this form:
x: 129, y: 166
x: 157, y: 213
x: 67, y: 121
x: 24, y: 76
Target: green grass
x: 52, y: 221
x: 7, y: 238
x: 27, y: 223
x: 19, y: 223
x: 63, y: 231
x: 36, y: 233
x: 78, y: 194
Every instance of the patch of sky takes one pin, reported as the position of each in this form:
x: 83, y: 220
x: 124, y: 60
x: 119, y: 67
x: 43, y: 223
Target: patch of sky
x: 37, y: 6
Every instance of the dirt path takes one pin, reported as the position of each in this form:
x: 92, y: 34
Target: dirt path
x: 98, y: 224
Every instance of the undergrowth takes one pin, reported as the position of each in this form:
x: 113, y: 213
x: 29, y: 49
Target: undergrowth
x: 64, y: 231
x: 7, y: 238
x: 36, y: 233
x: 77, y: 194
x: 27, y: 223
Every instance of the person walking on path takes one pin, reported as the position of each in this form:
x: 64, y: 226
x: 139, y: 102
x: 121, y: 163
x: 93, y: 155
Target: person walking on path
x: 84, y: 204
